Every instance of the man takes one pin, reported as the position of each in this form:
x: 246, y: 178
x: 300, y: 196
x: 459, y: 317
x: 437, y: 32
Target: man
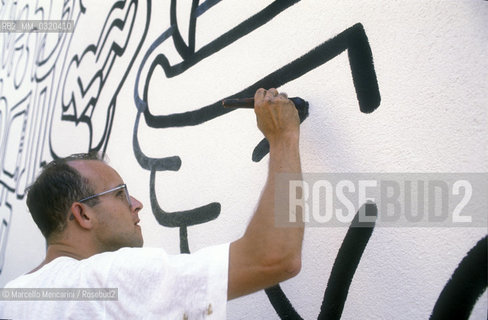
x: 90, y: 222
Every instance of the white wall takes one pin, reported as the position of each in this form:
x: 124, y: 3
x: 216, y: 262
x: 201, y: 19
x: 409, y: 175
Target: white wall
x: 430, y: 60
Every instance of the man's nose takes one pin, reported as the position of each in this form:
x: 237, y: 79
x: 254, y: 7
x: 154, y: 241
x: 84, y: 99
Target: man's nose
x: 135, y: 204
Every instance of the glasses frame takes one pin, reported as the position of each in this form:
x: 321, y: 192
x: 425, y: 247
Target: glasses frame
x: 122, y: 186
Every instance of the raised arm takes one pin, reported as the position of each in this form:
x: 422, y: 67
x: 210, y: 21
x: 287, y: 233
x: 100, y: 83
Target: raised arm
x: 267, y: 254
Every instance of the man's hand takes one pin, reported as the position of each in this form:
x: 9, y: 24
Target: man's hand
x: 276, y: 115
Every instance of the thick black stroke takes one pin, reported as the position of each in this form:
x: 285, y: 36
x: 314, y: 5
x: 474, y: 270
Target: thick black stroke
x: 181, y: 219
x: 345, y: 265
x: 466, y: 285
x: 353, y: 39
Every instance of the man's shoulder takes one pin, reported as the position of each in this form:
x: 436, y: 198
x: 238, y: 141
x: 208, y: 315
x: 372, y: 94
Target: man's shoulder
x: 56, y: 269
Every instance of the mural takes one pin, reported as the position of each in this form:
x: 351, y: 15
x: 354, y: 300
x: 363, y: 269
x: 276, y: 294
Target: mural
x: 353, y: 40
x: 46, y: 70
x: 67, y: 92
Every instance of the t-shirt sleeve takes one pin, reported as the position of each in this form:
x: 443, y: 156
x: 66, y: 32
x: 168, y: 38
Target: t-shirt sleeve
x: 184, y: 286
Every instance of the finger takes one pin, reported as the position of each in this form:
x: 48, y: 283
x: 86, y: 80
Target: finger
x: 273, y: 92
x: 271, y: 95
x: 283, y: 95
x: 259, y: 95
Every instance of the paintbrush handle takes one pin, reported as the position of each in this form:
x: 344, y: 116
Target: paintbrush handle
x: 238, y: 103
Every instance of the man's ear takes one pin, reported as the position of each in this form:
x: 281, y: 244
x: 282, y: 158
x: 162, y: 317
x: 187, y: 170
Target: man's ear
x: 80, y: 214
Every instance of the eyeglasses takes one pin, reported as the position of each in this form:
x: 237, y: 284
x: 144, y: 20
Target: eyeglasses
x: 122, y: 186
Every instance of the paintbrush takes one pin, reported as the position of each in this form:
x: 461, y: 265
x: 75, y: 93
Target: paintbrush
x: 248, y: 103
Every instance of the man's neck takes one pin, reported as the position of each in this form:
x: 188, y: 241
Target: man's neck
x: 56, y: 250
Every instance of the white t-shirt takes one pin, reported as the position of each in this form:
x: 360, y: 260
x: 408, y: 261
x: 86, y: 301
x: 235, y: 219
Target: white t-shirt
x: 150, y: 285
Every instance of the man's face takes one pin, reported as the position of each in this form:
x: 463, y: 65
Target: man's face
x: 116, y: 221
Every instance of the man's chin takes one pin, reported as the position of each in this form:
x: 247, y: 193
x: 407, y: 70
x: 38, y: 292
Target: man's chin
x: 138, y: 242
x: 140, y: 239
x: 134, y: 243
